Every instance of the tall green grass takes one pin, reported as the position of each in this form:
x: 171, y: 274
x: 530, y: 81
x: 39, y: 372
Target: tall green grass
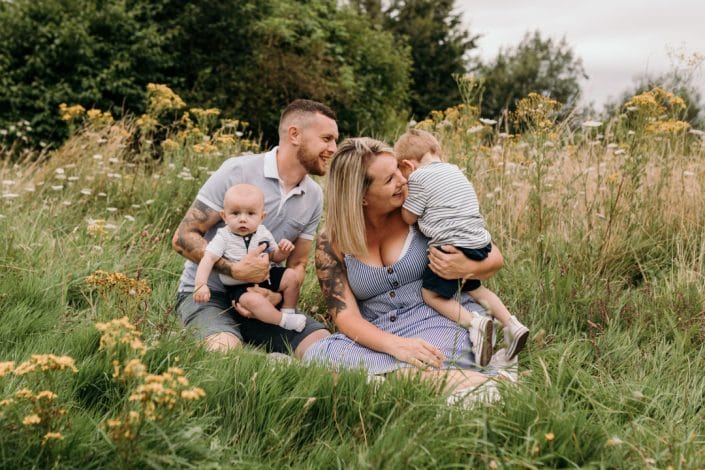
x: 610, y: 283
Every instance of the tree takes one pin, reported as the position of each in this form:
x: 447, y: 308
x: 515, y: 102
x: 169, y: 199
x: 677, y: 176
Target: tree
x: 537, y: 65
x: 99, y: 54
x: 439, y: 47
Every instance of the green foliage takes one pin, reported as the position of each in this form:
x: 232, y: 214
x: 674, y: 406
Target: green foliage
x: 246, y: 57
x: 98, y: 54
x: 537, y: 65
x: 439, y: 45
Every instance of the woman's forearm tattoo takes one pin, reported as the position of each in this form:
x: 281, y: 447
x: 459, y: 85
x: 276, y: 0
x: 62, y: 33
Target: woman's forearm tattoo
x: 331, y: 275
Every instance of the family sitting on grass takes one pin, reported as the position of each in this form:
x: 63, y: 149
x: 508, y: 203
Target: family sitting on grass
x: 402, y: 243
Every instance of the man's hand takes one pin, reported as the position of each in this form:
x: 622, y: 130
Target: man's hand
x: 253, y: 267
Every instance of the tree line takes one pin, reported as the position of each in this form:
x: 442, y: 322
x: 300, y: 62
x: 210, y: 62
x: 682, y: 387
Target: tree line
x: 378, y: 64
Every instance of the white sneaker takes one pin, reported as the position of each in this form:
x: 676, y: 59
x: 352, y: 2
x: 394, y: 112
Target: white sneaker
x: 515, y: 335
x: 485, y: 392
x: 481, y: 338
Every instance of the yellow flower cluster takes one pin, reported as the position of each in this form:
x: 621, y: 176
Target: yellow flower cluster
x: 38, y: 409
x: 156, y: 395
x: 163, y: 392
x: 169, y: 145
x: 655, y: 103
x: 670, y: 128
x: 109, y: 281
x: 99, y: 118
x: 205, y: 114
x: 6, y: 368
x: 45, y: 362
x: 97, y: 228
x: 52, y: 436
x: 70, y: 113
x: 120, y: 332
x: 204, y: 148
x: 147, y: 124
x: 162, y: 99
x: 536, y: 111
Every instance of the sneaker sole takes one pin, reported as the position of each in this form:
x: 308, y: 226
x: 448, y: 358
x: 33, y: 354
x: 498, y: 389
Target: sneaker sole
x: 518, y: 343
x: 485, y: 353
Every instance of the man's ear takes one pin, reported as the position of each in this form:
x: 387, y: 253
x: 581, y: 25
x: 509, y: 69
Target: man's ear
x: 294, y: 134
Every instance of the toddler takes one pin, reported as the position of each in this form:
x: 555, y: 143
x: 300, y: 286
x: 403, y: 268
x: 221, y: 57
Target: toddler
x: 444, y: 203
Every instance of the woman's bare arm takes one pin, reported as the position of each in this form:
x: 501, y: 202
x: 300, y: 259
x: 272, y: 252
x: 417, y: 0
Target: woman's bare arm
x: 343, y: 308
x: 455, y: 265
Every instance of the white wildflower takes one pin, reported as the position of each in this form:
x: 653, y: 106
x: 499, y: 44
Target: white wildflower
x: 10, y: 195
x: 592, y: 124
x: 489, y: 122
x: 130, y: 218
x: 57, y: 187
x: 111, y: 209
x: 86, y: 192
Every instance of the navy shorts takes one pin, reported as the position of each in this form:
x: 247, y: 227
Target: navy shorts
x: 275, y: 278
x: 218, y: 316
x: 448, y: 288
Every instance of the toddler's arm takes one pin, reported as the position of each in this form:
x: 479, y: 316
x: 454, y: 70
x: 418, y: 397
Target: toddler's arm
x: 202, y: 294
x: 408, y: 216
x: 281, y: 251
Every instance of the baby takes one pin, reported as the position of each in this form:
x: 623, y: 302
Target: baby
x: 445, y: 205
x: 243, y: 213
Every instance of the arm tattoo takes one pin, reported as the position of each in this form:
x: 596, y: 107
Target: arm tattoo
x: 331, y: 275
x: 191, y: 230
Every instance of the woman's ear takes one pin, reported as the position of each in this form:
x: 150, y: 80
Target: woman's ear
x: 364, y: 201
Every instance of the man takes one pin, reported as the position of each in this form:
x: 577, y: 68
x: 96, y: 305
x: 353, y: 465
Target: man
x: 293, y: 201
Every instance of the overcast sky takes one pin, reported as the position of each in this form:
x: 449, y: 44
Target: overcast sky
x: 618, y: 40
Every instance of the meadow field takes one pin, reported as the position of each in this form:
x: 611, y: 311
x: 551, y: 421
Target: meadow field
x: 600, y: 224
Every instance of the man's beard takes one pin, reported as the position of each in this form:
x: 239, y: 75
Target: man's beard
x: 310, y: 162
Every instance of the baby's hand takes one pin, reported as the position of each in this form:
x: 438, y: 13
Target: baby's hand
x: 286, y: 247
x: 202, y: 294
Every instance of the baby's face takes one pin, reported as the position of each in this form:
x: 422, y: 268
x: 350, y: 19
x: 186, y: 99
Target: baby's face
x: 242, y: 216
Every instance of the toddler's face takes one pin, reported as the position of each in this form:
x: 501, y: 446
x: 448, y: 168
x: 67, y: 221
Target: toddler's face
x: 243, y: 215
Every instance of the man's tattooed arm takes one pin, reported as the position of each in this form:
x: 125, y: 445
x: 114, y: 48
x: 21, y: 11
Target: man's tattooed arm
x: 331, y: 275
x: 188, y: 240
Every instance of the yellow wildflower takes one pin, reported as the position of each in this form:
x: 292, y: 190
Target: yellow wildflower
x: 46, y: 395
x: 162, y: 99
x: 69, y: 113
x: 169, y: 145
x: 113, y: 423
x: 195, y: 393
x: 549, y: 436
x: 6, y: 368
x: 204, y: 148
x: 7, y: 402
x: 31, y: 420
x: 56, y: 436
x: 24, y: 393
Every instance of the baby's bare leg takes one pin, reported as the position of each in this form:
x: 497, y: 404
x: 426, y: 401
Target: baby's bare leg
x: 290, y: 289
x: 492, y: 304
x: 260, y: 308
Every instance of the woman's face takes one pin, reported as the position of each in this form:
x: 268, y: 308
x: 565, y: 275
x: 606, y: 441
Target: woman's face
x: 388, y: 188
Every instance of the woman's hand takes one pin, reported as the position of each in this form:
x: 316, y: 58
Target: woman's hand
x: 416, y: 352
x: 453, y: 264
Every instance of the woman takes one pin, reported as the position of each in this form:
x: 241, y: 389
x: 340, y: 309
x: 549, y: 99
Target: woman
x: 369, y: 264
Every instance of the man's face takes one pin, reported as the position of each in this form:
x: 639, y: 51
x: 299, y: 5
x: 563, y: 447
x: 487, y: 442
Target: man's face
x: 318, y: 144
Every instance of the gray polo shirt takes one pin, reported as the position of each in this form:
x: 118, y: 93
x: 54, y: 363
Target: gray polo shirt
x: 293, y: 215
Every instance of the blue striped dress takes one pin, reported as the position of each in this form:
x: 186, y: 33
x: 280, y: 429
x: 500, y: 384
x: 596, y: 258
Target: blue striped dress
x: 389, y: 297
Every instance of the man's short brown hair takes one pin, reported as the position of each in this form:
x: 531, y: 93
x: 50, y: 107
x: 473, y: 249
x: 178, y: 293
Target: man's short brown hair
x: 416, y: 143
x: 299, y: 108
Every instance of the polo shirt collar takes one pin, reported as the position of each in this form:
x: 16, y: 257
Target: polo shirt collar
x: 271, y: 171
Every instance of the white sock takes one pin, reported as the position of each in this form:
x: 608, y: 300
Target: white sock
x: 292, y: 321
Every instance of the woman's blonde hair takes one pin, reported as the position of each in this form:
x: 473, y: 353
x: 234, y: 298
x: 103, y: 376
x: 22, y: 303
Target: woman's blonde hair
x: 347, y: 184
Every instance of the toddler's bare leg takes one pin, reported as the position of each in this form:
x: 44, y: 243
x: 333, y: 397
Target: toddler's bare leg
x: 492, y: 304
x: 515, y: 333
x: 480, y: 327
